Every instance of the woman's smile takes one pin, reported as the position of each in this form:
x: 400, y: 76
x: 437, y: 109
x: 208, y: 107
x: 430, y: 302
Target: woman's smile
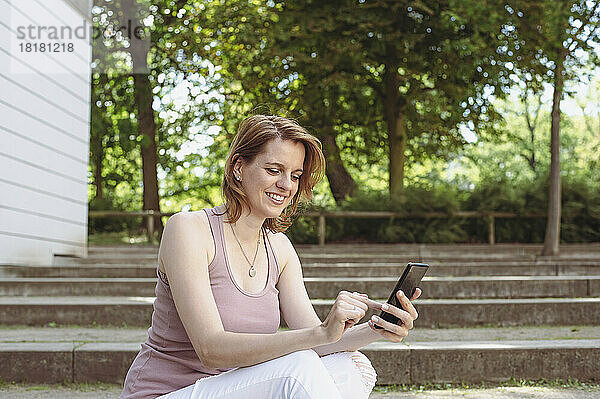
x: 276, y: 198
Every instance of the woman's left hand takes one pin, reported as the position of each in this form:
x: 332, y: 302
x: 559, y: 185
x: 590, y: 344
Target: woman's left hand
x: 397, y: 332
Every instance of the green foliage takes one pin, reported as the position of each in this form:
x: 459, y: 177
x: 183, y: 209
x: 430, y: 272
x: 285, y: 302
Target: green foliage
x: 213, y: 63
x: 111, y: 223
x: 416, y: 201
x: 581, y: 211
x: 580, y: 221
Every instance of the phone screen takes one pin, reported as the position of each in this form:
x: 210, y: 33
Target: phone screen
x: 408, y: 283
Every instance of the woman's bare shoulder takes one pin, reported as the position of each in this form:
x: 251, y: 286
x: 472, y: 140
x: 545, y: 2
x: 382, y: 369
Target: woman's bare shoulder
x: 189, y: 231
x: 195, y: 223
x: 283, y: 248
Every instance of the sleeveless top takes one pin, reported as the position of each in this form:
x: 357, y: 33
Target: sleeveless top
x: 167, y: 361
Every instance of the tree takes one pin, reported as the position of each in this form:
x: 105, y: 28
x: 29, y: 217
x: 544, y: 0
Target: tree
x: 113, y: 148
x: 529, y: 111
x: 109, y: 15
x: 166, y: 38
x: 406, y: 74
x: 551, y: 38
x: 432, y: 66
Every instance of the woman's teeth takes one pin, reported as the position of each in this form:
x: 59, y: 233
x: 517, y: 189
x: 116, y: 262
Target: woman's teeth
x: 277, y: 198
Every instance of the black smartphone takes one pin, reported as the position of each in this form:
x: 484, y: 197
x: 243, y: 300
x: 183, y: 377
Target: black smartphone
x: 408, y: 283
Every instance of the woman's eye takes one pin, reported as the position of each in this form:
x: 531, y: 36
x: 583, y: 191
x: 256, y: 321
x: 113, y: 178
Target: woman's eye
x: 276, y: 171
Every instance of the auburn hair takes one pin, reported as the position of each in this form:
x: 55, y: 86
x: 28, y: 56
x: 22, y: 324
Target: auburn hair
x: 252, y: 136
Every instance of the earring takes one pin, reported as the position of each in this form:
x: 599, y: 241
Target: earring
x: 238, y: 178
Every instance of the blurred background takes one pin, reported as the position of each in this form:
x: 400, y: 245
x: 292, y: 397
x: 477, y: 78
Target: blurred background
x: 442, y: 112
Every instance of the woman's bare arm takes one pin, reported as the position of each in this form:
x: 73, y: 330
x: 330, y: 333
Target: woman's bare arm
x: 184, y: 255
x: 353, y: 339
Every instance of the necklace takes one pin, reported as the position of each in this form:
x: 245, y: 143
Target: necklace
x: 252, y: 270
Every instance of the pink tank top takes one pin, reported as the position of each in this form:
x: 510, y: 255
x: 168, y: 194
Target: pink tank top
x: 167, y: 360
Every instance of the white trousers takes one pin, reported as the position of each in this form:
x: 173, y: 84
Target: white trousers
x: 299, y: 375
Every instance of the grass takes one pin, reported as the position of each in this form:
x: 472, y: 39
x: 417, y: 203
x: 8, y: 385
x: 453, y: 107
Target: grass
x: 52, y: 324
x: 119, y: 238
x: 557, y: 383
x: 76, y: 386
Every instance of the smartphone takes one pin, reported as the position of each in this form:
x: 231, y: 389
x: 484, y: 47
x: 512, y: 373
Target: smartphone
x: 408, y: 283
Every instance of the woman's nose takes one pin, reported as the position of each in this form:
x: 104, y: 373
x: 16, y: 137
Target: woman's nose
x: 285, y: 182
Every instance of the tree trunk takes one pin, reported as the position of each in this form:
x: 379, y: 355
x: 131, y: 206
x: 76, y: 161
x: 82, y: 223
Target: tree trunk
x: 532, y: 125
x: 147, y: 128
x: 97, y: 156
x: 532, y: 162
x: 145, y: 118
x: 145, y: 115
x: 98, y: 128
x: 397, y: 148
x: 552, y: 239
x: 340, y: 181
x: 396, y: 128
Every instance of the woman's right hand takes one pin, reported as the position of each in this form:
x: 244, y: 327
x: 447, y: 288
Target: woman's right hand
x: 347, y: 310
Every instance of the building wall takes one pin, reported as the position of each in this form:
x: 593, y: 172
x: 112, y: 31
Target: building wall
x: 44, y: 140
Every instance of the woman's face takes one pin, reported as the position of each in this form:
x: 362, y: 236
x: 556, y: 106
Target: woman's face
x: 271, y: 180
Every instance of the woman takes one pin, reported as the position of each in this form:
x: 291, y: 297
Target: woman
x: 226, y: 274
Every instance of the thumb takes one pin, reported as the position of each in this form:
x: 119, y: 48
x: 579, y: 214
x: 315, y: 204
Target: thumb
x: 348, y: 324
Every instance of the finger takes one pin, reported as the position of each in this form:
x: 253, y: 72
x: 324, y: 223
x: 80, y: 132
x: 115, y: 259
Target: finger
x: 350, y: 305
x: 386, y: 325
x: 366, y: 300
x: 406, y: 304
x: 351, y: 312
x: 417, y: 294
x: 392, y: 336
x: 354, y: 302
x: 407, y: 320
x: 372, y: 326
x: 404, y: 316
x: 374, y: 304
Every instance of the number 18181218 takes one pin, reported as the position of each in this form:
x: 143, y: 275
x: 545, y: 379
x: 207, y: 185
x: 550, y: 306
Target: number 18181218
x: 46, y: 47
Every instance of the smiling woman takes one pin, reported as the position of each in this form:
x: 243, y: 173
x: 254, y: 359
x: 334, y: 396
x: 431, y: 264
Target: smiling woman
x: 227, y: 273
x: 282, y: 149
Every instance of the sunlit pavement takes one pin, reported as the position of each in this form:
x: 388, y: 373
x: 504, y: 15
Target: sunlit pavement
x: 39, y: 392
x: 498, y: 393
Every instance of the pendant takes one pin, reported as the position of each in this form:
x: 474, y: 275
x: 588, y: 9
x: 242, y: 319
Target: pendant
x: 252, y: 272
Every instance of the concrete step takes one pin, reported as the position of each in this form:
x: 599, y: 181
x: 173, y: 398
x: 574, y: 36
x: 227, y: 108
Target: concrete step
x: 78, y: 270
x: 431, y: 362
x: 381, y: 257
x: 27, y: 347
x: 485, y: 361
x: 352, y: 257
x: 329, y: 287
x: 78, y: 334
x: 339, y: 269
x: 514, y: 249
x: 372, y: 252
x: 118, y: 259
x: 409, y: 249
x: 433, y: 313
x: 462, y: 269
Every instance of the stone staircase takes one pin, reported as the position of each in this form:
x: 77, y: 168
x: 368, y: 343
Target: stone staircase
x: 488, y: 313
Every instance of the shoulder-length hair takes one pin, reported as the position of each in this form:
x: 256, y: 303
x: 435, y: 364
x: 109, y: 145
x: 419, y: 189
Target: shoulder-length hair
x: 253, y: 134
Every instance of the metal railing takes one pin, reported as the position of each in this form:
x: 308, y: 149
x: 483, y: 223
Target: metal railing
x: 149, y: 215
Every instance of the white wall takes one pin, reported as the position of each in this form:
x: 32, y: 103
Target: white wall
x: 44, y: 138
